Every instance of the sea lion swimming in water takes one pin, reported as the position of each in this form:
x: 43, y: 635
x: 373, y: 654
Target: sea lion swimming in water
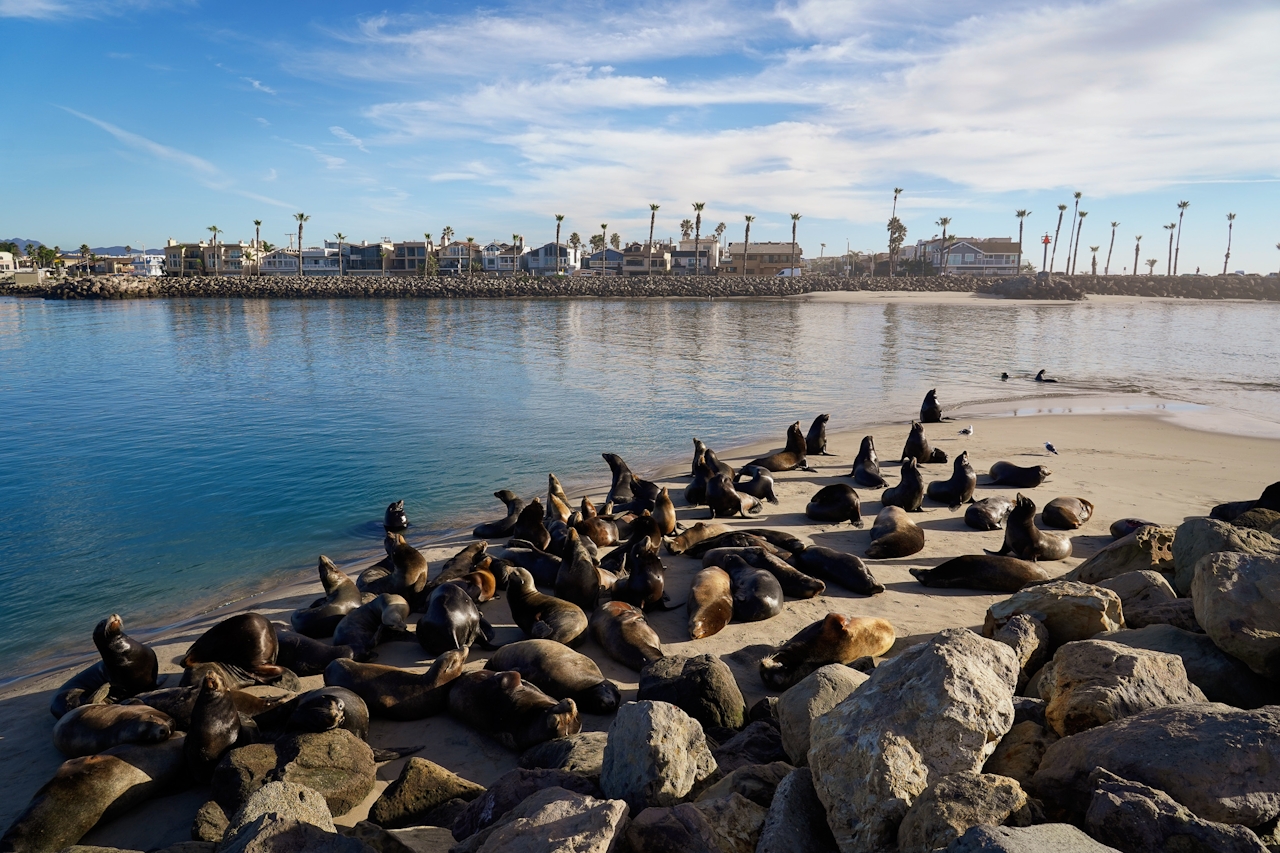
x: 866, y: 467
x: 502, y: 526
x: 1040, y: 377
x: 1024, y: 540
x: 834, y: 504
x: 790, y: 458
x: 816, y: 441
x: 341, y: 596
x: 988, y: 513
x: 131, y: 667
x: 959, y: 488
x: 834, y: 639
x: 1008, y: 474
x: 759, y: 486
x: 894, y: 534
x: 909, y: 493
x: 395, y: 693
x: 982, y: 572
x: 560, y: 672
x: 930, y: 409
x: 918, y: 447
x: 1066, y: 513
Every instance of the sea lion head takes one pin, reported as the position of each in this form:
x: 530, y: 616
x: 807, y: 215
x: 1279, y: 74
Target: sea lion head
x: 109, y: 635
x: 212, y: 682
x: 916, y: 426
x: 520, y: 580
x: 319, y: 715
x: 606, y: 697
x: 561, y: 720
x: 395, y: 519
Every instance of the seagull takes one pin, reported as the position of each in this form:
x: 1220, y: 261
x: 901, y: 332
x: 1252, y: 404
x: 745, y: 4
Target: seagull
x: 1049, y: 447
x: 967, y: 430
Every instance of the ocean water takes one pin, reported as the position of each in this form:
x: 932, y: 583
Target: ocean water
x: 160, y: 457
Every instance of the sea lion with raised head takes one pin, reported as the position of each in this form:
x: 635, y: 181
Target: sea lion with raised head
x: 620, y: 489
x: 408, y: 570
x: 982, y: 572
x: 394, y: 520
x: 543, y: 565
x: 371, y: 624
x: 790, y: 458
x: 91, y: 729
x: 759, y: 486
x: 644, y: 583
x: 452, y: 621
x: 1066, y: 513
x: 715, y: 466
x: 395, y: 693
x: 919, y: 448
x: 1008, y: 474
x: 577, y: 579
x: 664, y: 512
x: 644, y: 496
x: 931, y: 409
x: 303, y: 655
x: 710, y: 602
x: 501, y: 527
x: 557, y: 501
x: 795, y: 583
x: 131, y: 667
x: 698, y: 450
x: 988, y: 513
x: 815, y: 442
x: 624, y: 634
x: 530, y: 527
x: 692, y: 536
x: 246, y: 640
x: 1040, y: 377
x: 757, y: 595
x: 695, y: 494
x: 1027, y: 542
x: 341, y: 596
x: 727, y: 502
x: 909, y: 493
x: 834, y: 504
x: 215, y: 728
x: 513, y: 712
x: 845, y: 569
x: 959, y: 488
x: 459, y: 565
x: 894, y: 534
x: 543, y: 617
x: 866, y: 467
x: 833, y: 639
x: 560, y: 672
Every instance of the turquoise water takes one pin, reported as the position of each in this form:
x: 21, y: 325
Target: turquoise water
x: 158, y: 457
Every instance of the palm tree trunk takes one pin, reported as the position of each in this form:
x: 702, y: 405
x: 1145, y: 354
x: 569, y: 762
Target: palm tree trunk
x: 1178, y: 248
x: 1106, y: 270
x: 300, y: 271
x: 1018, y: 268
x: 1168, y: 265
x: 792, y: 271
x: 942, y: 256
x: 697, y: 239
x: 1053, y: 256
x: 1136, y: 246
x: 557, y: 248
x: 1075, y: 253
x: 1071, y: 236
x: 653, y: 216
x: 1227, y: 259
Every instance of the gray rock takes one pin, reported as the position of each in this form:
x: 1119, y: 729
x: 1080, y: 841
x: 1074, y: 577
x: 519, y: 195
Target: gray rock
x: 937, y: 708
x: 810, y: 698
x: 1202, y: 536
x: 1045, y: 838
x: 673, y: 829
x: 702, y: 686
x: 735, y: 821
x: 796, y: 822
x: 1258, y: 518
x: 582, y: 753
x: 655, y: 755
x: 1137, y: 818
x: 1139, y: 589
x: 756, y: 782
x: 1029, y: 639
x: 1237, y: 601
x: 1145, y: 549
x: 555, y: 820
x: 949, y: 807
x: 766, y: 710
x: 283, y: 801
x: 421, y: 787
x: 1069, y: 610
x: 268, y: 834
x: 511, y: 790
x: 424, y: 839
x: 210, y: 823
x: 378, y: 838
x: 758, y: 743
x: 336, y: 763
x: 1019, y: 752
x: 1180, y: 613
x: 91, y: 848
x: 241, y: 772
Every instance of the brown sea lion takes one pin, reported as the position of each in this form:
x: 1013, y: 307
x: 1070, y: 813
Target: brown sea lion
x: 179, y: 702
x: 866, y: 467
x: 835, y: 503
x: 794, y: 583
x: 983, y: 572
x: 778, y: 539
x: 988, y: 513
x: 341, y: 596
x: 792, y: 457
x: 543, y: 617
x: 247, y: 641
x: 91, y: 729
x: 757, y: 595
x: 644, y: 496
x: 710, y: 602
x: 557, y: 501
x: 1066, y: 513
x: 737, y: 539
x: 620, y: 491
x: 644, y: 584
x: 577, y: 579
x: 699, y: 450
x: 452, y: 621
x: 918, y: 447
x: 909, y: 493
x: 502, y: 526
x: 87, y: 687
x: 959, y: 488
x: 894, y: 534
x: 364, y: 628
x: 602, y: 531
x: 131, y: 667
x: 1027, y: 542
x: 394, y: 520
x: 303, y: 655
x: 1008, y: 474
x: 699, y: 532
x: 516, y: 714
x: 815, y: 442
x: 530, y: 527
x: 931, y: 409
x: 834, y: 639
x: 759, y: 486
x: 845, y: 569
x: 404, y: 574
x: 624, y: 634
x: 560, y: 672
x: 543, y: 565
x: 482, y: 584
x: 462, y: 563
x: 395, y: 693
x: 215, y: 728
x: 664, y: 512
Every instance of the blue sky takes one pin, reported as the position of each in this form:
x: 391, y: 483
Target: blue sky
x: 136, y: 120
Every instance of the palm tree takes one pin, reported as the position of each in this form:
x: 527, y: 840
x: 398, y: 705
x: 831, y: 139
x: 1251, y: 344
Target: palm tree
x: 216, y: 231
x: 795, y: 220
x: 575, y: 241
x: 515, y: 253
x: 653, y: 217
x: 1231, y: 221
x: 604, y: 247
x: 944, y: 222
x: 340, y: 237
x: 1137, y: 241
x: 746, y: 242
x: 1278, y: 245
x: 1021, y: 214
x: 686, y: 228
x: 559, y: 219
x: 697, y: 236
x: 1076, y: 252
x: 1071, y: 234
x: 1095, y: 249
x: 1151, y: 266
x: 1168, y: 267
x: 897, y: 191
x: 426, y: 249
x: 302, y: 218
x: 1107, y: 269
x: 446, y: 237
x: 1182, y: 208
x: 1062, y: 208
x: 85, y: 251
x: 719, y: 232
x: 257, y: 240
x: 470, y: 243
x: 615, y: 240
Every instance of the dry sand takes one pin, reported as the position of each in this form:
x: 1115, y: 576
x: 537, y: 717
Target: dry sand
x: 1135, y: 464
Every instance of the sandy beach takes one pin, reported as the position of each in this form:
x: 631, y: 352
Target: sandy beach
x: 1141, y: 463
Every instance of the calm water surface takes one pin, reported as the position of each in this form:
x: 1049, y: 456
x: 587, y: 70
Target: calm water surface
x: 158, y: 457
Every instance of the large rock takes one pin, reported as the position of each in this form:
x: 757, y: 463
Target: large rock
x: 336, y: 763
x: 421, y: 787
x: 582, y: 753
x: 758, y: 743
x: 951, y: 805
x: 673, y: 829
x: 283, y: 801
x: 936, y: 709
x: 1029, y: 639
x: 1258, y: 519
x: 1139, y: 589
x: 756, y: 782
x: 1200, y: 537
x: 272, y: 835
x: 556, y: 820
x: 735, y: 821
x: 702, y: 686
x: 1045, y: 838
x: 1221, y: 762
x: 384, y: 840
x: 655, y: 755
x: 1237, y: 602
x: 1094, y: 682
x: 1069, y: 610
x: 511, y: 790
x: 1019, y: 753
x: 810, y: 698
x: 1139, y: 819
x: 1148, y: 548
x: 796, y: 822
x: 1180, y: 613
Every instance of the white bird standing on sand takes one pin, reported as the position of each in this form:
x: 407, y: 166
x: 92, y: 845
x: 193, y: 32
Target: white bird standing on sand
x: 967, y: 430
x: 1049, y: 447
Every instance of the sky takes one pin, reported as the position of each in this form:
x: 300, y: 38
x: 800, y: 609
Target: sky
x: 133, y: 121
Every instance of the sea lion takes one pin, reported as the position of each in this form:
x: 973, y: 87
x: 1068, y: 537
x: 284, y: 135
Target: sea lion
x: 644, y: 496
x: 988, y: 513
x: 513, y: 712
x: 557, y: 500
x: 757, y: 595
x: 759, y: 486
x: 795, y: 583
x: 866, y: 467
x: 235, y: 677
x: 325, y: 709
x: 790, y: 458
x: 1066, y: 513
x: 835, y: 503
x: 918, y: 447
x: 738, y: 539
x: 644, y: 584
x: 815, y: 442
x: 664, y: 512
x: 88, y: 687
x: 778, y: 539
x: 1124, y: 526
x: 834, y: 639
x: 560, y: 672
x: 246, y: 640
x: 620, y: 489
x: 341, y: 596
x: 577, y: 579
x: 909, y: 493
x: 409, y: 570
x: 1027, y: 542
x: 363, y: 628
x: 1040, y: 377
x: 710, y: 602
x: 726, y: 502
x: 845, y: 569
x: 982, y: 572
x: 543, y: 617
x: 131, y: 667
x: 624, y: 634
x: 1008, y: 474
x: 599, y: 530
x: 452, y: 621
x: 306, y: 656
x: 544, y: 566
x: 394, y: 520
x: 714, y: 465
x: 894, y: 534
x: 482, y: 584
x: 91, y: 729
x: 215, y: 728
x: 502, y: 526
x: 930, y: 409
x: 698, y: 450
x: 530, y: 527
x: 460, y: 564
x: 179, y: 702
x: 395, y: 693
x: 959, y: 488
x: 691, y: 536
x: 695, y: 494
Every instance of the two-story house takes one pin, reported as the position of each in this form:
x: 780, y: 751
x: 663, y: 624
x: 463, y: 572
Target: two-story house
x: 504, y: 258
x: 553, y: 258
x: 969, y: 255
x: 636, y: 259
x: 767, y: 259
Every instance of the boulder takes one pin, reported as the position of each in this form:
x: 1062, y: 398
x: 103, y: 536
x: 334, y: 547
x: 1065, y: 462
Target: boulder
x: 655, y: 755
x: 1029, y: 639
x: 1137, y: 818
x: 1220, y: 762
x: 1019, y: 752
x: 336, y: 763
x: 1069, y: 610
x: 1258, y: 519
x: 1236, y: 599
x: 582, y: 753
x: 765, y: 711
x: 810, y: 698
x: 1093, y: 682
x: 937, y: 708
x: 1200, y: 537
x: 421, y: 787
x: 557, y: 820
x: 1025, y: 708
x: 675, y: 829
x: 735, y: 822
x: 1045, y: 838
x: 241, y: 772
x: 511, y: 790
x: 1139, y: 589
x: 283, y: 801
x: 796, y: 821
x: 756, y: 782
x: 1180, y: 613
x: 758, y: 743
x: 382, y: 840
x: 210, y: 823
x: 951, y: 805
x: 1148, y: 548
x: 702, y: 686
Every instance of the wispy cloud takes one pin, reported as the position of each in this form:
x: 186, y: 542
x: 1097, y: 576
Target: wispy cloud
x: 329, y: 161
x: 155, y: 149
x: 258, y: 85
x: 348, y: 138
x: 52, y: 10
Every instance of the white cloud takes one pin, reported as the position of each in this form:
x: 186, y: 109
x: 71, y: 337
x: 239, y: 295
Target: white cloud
x: 258, y: 85
x: 329, y: 161
x: 48, y: 10
x: 155, y: 149
x: 271, y: 175
x: 348, y: 138
x: 262, y: 121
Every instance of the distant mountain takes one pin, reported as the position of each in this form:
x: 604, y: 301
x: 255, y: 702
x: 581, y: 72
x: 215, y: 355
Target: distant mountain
x: 22, y: 241
x: 100, y: 250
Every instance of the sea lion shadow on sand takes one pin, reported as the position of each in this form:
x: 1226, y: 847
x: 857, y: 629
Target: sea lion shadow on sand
x: 1087, y: 545
x: 850, y: 539
x: 950, y: 524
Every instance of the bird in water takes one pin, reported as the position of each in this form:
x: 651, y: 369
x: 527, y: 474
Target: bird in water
x: 1040, y: 378
x: 967, y: 430
x: 1049, y: 447
x: 1004, y: 377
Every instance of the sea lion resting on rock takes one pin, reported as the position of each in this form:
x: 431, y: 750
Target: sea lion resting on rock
x: 909, y: 493
x: 918, y: 447
x: 815, y: 442
x: 246, y: 640
x: 341, y: 596
x: 1008, y: 474
x: 364, y: 628
x: 790, y: 458
x: 395, y: 693
x: 894, y: 534
x: 1066, y: 513
x: 625, y: 635
x: 866, y: 467
x: 959, y: 488
x: 502, y: 526
x: 543, y: 617
x: 710, y: 602
x: 131, y: 667
x: 91, y: 729
x: 982, y: 572
x: 845, y: 569
x: 988, y: 513
x: 759, y: 486
x: 560, y: 672
x: 1123, y: 527
x: 835, y: 639
x: 1024, y: 540
x: 795, y: 583
x: 835, y: 503
x: 518, y: 715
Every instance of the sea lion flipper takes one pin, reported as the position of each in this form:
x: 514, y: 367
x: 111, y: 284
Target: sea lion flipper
x: 381, y: 755
x: 858, y: 524
x: 487, y: 634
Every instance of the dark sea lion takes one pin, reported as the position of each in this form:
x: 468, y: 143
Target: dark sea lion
x: 1066, y: 513
x: 452, y: 621
x: 699, y: 449
x: 395, y: 693
x: 87, y: 687
x: 909, y: 493
x: 815, y: 442
x: 341, y: 596
x: 502, y: 526
x: 516, y: 714
x: 1027, y: 542
x: 543, y: 617
x: 778, y: 539
x: 215, y: 728
x: 624, y: 634
x: 710, y: 602
x: 246, y: 640
x: 235, y: 677
x: 918, y: 447
x: 179, y: 702
x: 1123, y: 527
x: 602, y: 531
x: 988, y: 513
x: 1008, y: 474
x: 544, y: 566
x: 699, y: 532
x: 792, y: 457
x: 644, y: 496
x: 644, y: 584
x: 131, y: 667
x: 394, y: 520
x: 664, y: 512
x: 557, y: 501
x: 577, y: 580
x: 560, y: 672
x: 835, y: 503
x: 695, y: 494
x: 759, y: 486
x: 894, y: 534
x: 795, y: 583
x: 1040, y: 377
x: 91, y: 729
x: 462, y: 563
x: 834, y: 639
x: 866, y: 467
x: 757, y: 595
x: 530, y: 527
x: 736, y: 539
x: 620, y: 489
x: 304, y: 655
x: 325, y: 709
x: 930, y: 409
x: 363, y: 628
x: 959, y: 488
x: 715, y: 466
x: 845, y: 569
x: 982, y: 572
x: 726, y: 502
x: 409, y: 570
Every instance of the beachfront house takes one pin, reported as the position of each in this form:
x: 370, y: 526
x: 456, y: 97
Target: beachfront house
x: 365, y: 258
x: 635, y: 258
x: 147, y: 265
x: 202, y: 258
x: 766, y: 259
x: 504, y: 258
x: 552, y: 257
x: 708, y: 248
x: 409, y: 257
x: 7, y: 263
x: 968, y: 255
x: 607, y: 261
x: 461, y: 256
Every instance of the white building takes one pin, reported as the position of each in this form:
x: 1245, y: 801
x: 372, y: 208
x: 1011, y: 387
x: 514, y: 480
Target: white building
x: 548, y: 259
x: 7, y: 263
x: 968, y: 255
x: 148, y: 265
x: 504, y: 258
x: 316, y: 260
